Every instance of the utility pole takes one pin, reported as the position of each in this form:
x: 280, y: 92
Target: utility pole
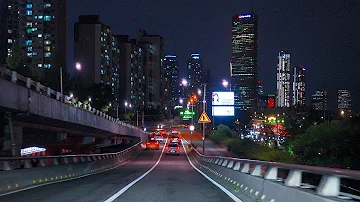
x: 204, y: 109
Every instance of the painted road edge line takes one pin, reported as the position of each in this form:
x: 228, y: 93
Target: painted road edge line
x: 227, y: 192
x: 121, y: 191
x: 74, y: 178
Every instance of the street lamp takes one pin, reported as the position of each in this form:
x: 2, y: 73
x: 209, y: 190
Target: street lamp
x: 78, y: 66
x: 192, y: 128
x: 89, y: 99
x: 184, y: 82
x: 199, y: 92
x: 71, y: 95
x: 181, y: 100
x: 225, y: 83
x: 126, y: 104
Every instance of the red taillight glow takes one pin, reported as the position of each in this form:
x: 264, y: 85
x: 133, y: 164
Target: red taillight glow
x: 178, y: 148
x: 167, y: 148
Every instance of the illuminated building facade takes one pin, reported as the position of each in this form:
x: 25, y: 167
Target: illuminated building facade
x: 171, y: 66
x: 283, y: 80
x: 244, y: 61
x: 344, y: 100
x: 299, y: 86
x: 319, y: 100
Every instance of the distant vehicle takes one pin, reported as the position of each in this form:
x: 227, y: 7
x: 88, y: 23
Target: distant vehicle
x: 175, y: 139
x: 174, y: 131
x: 152, y: 144
x: 186, y: 125
x: 172, y: 148
x: 162, y: 132
x: 159, y: 137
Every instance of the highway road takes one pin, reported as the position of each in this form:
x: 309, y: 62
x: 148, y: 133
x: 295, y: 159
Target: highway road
x: 150, y: 176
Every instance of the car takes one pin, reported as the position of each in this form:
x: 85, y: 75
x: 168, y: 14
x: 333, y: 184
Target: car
x: 162, y: 132
x: 152, y: 144
x: 186, y: 125
x: 174, y: 131
x: 172, y: 148
x: 175, y: 139
x: 159, y: 137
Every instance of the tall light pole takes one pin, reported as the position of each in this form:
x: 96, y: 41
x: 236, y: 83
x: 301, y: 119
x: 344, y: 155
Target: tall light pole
x: 126, y: 104
x: 204, y: 110
x: 61, y: 80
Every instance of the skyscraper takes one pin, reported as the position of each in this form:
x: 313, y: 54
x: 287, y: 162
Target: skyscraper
x: 319, y: 100
x: 244, y: 62
x: 194, y: 71
x: 299, y: 86
x: 98, y: 52
x: 171, y: 66
x: 283, y: 80
x: 37, y: 28
x: 344, y: 100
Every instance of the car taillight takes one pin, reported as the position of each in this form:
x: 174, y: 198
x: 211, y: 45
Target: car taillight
x: 178, y: 148
x: 167, y: 148
x: 156, y: 142
x: 148, y: 143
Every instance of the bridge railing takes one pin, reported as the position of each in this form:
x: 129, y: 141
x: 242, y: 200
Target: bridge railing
x: 330, y: 178
x: 38, y: 87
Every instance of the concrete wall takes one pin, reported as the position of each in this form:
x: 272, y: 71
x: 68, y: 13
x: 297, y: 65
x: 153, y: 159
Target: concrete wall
x: 16, y: 97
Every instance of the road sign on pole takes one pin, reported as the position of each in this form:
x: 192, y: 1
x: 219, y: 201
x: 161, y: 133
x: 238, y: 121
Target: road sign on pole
x: 204, y: 118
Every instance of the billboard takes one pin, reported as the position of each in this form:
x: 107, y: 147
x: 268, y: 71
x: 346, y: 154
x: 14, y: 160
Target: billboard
x: 222, y: 98
x: 223, y: 111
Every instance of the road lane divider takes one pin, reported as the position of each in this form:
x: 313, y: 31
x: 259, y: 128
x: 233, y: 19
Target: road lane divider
x: 128, y: 186
x: 227, y: 192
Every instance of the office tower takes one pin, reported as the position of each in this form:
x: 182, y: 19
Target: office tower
x: 97, y: 51
x: 344, y: 100
x: 194, y: 72
x: 155, y: 78
x: 244, y: 62
x: 299, y: 86
x: 171, y: 66
x: 260, y: 88
x: 38, y: 29
x: 319, y: 100
x: 283, y: 80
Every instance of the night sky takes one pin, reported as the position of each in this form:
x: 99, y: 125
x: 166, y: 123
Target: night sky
x: 322, y: 35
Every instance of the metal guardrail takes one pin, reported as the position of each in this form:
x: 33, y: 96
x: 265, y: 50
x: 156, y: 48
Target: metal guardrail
x: 38, y: 87
x: 9, y: 163
x: 329, y: 185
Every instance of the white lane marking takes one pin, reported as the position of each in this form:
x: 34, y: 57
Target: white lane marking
x: 116, y: 195
x: 227, y: 192
x: 64, y: 180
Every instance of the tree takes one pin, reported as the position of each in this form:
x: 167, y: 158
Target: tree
x: 16, y: 61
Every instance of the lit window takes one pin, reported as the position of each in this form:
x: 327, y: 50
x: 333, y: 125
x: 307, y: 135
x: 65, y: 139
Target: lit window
x: 47, y: 5
x: 34, y: 29
x: 28, y: 24
x: 47, y: 18
x: 47, y: 48
x: 29, y: 54
x: 47, y: 42
x: 29, y: 49
x: 102, y: 71
x: 29, y: 6
x: 40, y: 17
x: 47, y: 66
x: 28, y: 42
x: 47, y: 36
x: 35, y: 53
x: 10, y: 41
x: 39, y: 65
x: 28, y: 12
x: 39, y: 35
x: 9, y: 31
x: 47, y: 54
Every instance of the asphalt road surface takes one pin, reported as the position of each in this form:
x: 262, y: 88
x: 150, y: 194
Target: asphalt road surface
x: 171, y: 178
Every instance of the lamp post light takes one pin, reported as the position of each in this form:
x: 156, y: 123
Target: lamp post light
x: 192, y: 128
x: 126, y: 104
x: 78, y: 66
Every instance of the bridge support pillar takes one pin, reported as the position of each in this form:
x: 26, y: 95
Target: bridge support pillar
x: 88, y: 140
x: 61, y: 137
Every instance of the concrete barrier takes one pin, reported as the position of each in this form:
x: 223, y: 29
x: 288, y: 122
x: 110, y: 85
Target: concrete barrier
x: 24, y: 178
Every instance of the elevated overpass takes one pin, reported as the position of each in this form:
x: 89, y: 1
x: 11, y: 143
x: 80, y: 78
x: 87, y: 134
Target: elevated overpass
x: 36, y: 109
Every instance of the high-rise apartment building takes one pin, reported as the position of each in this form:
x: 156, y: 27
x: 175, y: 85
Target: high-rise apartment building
x: 319, y: 100
x: 171, y: 66
x: 344, y: 100
x: 299, y: 86
x: 38, y: 28
x: 194, y: 71
x: 244, y: 62
x: 283, y: 80
x: 98, y: 52
x: 155, y: 78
